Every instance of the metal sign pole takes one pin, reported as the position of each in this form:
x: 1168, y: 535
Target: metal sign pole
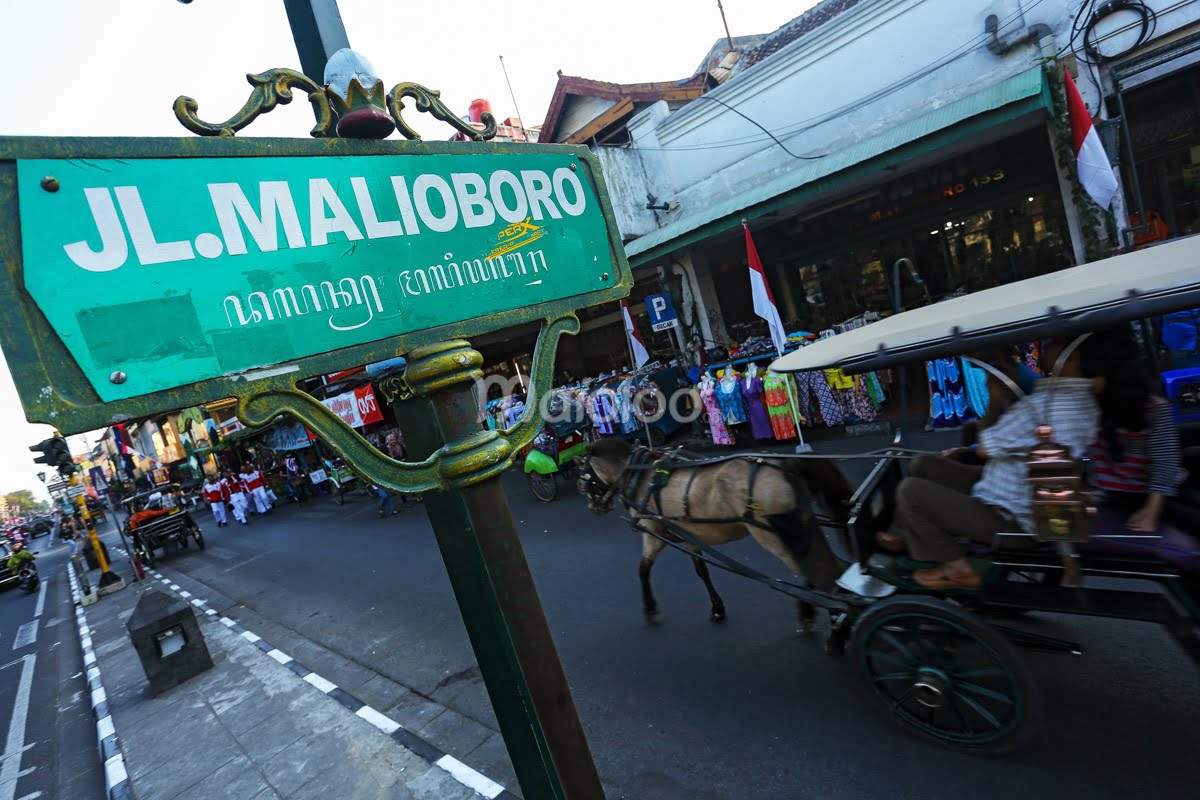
x: 492, y: 582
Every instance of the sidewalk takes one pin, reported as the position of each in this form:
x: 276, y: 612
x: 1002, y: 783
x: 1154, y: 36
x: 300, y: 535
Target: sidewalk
x: 252, y: 728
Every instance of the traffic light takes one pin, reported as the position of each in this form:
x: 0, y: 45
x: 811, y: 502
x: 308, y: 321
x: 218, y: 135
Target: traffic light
x: 55, y: 453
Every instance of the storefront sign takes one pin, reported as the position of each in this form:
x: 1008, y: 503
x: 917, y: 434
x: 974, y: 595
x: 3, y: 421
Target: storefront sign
x: 661, y: 311
x: 287, y: 436
x: 318, y: 476
x: 356, y: 408
x: 227, y: 265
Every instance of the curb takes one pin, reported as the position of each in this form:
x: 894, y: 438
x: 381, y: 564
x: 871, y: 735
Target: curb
x: 116, y: 779
x: 476, y: 781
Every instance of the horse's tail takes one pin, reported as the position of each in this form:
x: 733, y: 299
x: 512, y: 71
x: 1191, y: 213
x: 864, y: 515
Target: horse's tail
x: 799, y: 529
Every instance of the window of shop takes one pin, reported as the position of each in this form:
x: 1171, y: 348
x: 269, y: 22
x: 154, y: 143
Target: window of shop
x: 1164, y: 127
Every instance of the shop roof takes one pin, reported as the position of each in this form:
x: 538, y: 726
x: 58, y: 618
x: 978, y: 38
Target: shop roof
x: 1012, y: 98
x: 806, y: 23
x: 568, y: 85
x: 1144, y: 283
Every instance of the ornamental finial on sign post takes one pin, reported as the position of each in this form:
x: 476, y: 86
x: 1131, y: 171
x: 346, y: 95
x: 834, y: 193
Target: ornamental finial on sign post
x: 352, y: 92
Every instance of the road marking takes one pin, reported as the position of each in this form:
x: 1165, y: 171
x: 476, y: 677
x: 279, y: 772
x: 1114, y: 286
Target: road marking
x: 41, y: 601
x: 250, y: 637
x: 469, y: 777
x: 378, y: 720
x: 31, y: 796
x: 26, y: 635
x: 321, y: 683
x: 279, y: 656
x: 11, y: 770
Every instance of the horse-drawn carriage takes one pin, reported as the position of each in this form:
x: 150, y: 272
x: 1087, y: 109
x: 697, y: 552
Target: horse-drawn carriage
x: 944, y: 662
x: 159, y: 518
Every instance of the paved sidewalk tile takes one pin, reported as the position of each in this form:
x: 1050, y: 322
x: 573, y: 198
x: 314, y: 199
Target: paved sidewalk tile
x: 249, y: 728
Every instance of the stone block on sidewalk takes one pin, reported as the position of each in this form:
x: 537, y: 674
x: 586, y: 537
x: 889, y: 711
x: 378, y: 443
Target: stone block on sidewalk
x: 168, y: 641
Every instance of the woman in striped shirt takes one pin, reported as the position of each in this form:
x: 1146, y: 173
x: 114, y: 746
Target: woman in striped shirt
x: 1137, y: 461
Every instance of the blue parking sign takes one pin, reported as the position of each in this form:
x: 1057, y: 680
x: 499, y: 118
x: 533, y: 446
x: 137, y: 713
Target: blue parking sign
x: 661, y: 311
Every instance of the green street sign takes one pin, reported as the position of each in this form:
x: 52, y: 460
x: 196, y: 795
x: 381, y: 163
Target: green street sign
x: 165, y: 267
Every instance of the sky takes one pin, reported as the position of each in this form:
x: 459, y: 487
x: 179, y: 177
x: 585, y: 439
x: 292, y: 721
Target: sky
x: 115, y: 67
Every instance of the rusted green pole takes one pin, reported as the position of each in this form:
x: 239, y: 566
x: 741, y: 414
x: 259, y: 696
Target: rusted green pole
x: 493, y: 585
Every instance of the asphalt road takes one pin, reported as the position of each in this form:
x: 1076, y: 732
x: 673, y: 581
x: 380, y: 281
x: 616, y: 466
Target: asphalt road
x: 688, y: 708
x: 49, y: 736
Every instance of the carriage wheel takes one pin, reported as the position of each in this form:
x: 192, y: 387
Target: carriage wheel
x: 947, y: 676
x: 145, y: 554
x: 544, y: 487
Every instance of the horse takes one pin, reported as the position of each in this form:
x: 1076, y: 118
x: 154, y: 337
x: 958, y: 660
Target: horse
x: 720, y: 501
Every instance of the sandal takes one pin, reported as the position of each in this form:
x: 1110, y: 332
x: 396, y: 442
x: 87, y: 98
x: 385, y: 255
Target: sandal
x: 939, y: 579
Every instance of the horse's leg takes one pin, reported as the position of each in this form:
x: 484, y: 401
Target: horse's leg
x: 717, y: 614
x: 651, y: 547
x: 807, y: 615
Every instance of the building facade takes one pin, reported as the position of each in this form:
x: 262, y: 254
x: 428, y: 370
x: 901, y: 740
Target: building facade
x: 873, y: 140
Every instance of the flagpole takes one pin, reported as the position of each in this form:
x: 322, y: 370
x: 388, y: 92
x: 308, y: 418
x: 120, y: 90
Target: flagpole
x: 803, y: 447
x: 633, y: 368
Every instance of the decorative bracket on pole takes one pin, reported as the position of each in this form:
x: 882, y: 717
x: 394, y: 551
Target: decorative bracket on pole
x: 430, y: 369
x: 351, y: 92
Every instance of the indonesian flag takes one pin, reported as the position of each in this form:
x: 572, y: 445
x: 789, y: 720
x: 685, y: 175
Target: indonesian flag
x: 1095, y: 173
x: 764, y: 301
x: 640, y: 354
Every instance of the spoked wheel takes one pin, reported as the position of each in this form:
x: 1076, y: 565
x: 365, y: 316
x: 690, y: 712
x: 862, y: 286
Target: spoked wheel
x: 340, y: 497
x: 947, y: 676
x: 197, y: 535
x: 145, y: 554
x: 544, y: 487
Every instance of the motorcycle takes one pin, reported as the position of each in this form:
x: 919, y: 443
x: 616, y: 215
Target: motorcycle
x: 28, y: 578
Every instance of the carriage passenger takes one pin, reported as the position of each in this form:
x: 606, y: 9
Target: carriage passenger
x: 942, y: 503
x: 1137, y: 460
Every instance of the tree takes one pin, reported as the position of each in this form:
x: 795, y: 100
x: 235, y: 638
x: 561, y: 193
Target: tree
x: 23, y: 501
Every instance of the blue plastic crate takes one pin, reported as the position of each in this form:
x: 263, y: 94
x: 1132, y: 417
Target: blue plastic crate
x: 1182, y: 387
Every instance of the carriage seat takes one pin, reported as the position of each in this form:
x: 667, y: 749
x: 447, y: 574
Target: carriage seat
x: 1168, y: 544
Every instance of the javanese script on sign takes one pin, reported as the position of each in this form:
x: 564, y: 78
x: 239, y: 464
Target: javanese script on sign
x: 172, y: 271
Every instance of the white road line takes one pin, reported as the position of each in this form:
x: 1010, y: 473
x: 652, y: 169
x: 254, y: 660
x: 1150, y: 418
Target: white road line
x: 378, y: 720
x: 41, y: 601
x: 26, y: 635
x: 15, y: 743
x: 279, y: 656
x: 319, y: 682
x: 31, y: 796
x: 469, y: 777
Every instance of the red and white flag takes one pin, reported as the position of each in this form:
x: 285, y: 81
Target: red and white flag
x: 640, y: 354
x: 764, y: 301
x: 1095, y: 172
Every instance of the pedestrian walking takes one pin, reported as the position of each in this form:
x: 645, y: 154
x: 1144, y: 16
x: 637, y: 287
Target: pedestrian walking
x: 253, y: 479
x: 215, y: 495
x: 386, y: 506
x: 237, y: 496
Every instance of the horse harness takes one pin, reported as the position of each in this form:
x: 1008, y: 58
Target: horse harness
x: 643, y: 460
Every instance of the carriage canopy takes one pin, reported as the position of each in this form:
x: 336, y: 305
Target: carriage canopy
x: 1157, y: 280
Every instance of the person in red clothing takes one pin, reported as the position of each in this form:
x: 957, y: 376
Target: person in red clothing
x: 216, y: 495
x: 236, y: 489
x: 257, y: 487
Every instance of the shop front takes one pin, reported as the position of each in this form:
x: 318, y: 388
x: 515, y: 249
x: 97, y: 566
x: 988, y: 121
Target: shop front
x: 990, y: 216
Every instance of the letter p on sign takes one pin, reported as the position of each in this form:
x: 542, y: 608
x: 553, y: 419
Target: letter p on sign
x: 661, y: 311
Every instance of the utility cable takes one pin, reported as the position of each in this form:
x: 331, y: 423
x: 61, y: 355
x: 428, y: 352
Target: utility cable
x: 800, y: 126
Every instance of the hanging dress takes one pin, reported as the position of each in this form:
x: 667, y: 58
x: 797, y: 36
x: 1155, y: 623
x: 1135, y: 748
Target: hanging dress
x: 716, y: 421
x: 733, y: 405
x: 760, y: 422
x: 776, y: 389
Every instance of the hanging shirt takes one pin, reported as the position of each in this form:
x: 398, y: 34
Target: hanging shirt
x: 733, y: 406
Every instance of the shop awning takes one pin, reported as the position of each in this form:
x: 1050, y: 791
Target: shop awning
x: 1144, y: 283
x: 1016, y: 97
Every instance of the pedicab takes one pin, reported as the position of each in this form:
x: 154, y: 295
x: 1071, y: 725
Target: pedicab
x: 553, y: 453
x: 157, y: 518
x: 945, y: 664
